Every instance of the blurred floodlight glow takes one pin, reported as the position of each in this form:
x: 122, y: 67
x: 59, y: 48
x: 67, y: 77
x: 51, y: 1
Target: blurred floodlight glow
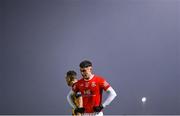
x: 144, y: 99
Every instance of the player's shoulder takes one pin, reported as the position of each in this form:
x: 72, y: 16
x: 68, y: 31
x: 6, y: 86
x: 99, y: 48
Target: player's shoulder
x: 79, y: 81
x: 77, y: 84
x: 99, y: 78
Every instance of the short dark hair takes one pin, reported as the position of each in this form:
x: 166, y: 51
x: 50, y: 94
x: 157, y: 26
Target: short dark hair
x: 71, y: 73
x: 85, y: 64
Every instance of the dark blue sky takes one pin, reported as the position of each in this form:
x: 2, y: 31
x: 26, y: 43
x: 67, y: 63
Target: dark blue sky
x: 134, y: 44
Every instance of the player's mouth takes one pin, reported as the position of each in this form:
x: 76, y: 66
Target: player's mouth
x: 86, y: 76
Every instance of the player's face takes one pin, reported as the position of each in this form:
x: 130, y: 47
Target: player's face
x: 70, y: 82
x: 86, y: 72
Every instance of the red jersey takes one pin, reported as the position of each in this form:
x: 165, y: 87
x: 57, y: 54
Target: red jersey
x: 91, y: 91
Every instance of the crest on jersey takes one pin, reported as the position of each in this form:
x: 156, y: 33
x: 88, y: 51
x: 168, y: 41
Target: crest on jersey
x: 93, y: 84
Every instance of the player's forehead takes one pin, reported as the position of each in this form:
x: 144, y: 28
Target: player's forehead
x: 86, y: 68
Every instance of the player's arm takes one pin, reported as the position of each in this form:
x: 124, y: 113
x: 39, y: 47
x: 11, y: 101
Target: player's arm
x: 70, y: 100
x: 79, y: 108
x: 111, y: 95
x: 79, y: 99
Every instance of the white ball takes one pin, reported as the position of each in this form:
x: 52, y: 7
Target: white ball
x: 143, y: 99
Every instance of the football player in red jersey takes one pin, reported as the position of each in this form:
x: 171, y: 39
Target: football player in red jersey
x: 91, y: 87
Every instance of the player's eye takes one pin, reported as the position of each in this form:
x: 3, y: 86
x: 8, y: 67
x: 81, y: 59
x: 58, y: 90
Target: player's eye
x: 83, y: 70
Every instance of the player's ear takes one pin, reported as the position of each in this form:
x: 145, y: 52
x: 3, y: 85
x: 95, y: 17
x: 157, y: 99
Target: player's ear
x: 91, y: 68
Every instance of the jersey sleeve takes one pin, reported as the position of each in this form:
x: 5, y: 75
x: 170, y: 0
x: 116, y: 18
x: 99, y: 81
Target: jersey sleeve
x: 104, y: 84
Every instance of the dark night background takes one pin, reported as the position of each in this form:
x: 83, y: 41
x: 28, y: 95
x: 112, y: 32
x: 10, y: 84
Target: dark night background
x: 134, y: 44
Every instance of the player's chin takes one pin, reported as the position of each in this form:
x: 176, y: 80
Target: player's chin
x: 85, y: 77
